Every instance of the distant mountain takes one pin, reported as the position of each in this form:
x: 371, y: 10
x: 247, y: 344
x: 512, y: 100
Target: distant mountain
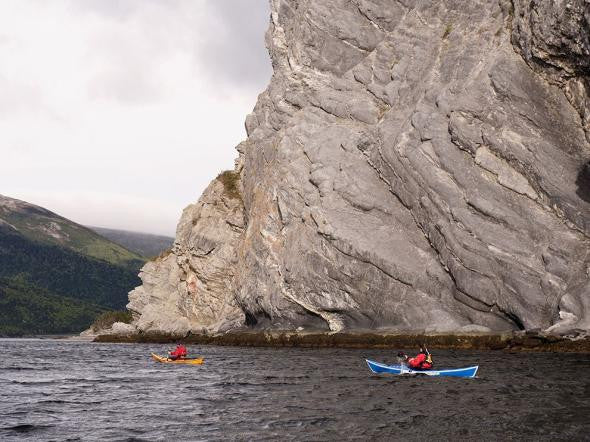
x: 38, y: 224
x: 144, y: 244
x: 56, y: 276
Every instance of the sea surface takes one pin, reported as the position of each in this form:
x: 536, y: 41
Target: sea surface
x: 67, y: 390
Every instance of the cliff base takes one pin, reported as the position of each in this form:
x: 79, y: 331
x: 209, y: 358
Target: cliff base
x: 520, y: 341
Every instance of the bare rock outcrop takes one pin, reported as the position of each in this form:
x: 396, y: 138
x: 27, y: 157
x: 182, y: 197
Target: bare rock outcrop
x: 189, y: 288
x: 413, y: 166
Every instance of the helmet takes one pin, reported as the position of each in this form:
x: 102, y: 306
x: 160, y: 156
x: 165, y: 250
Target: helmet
x: 401, y: 354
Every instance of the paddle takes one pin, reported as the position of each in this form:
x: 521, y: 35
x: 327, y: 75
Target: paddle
x: 428, y: 355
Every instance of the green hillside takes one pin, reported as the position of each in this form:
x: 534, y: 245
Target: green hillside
x: 41, y: 225
x: 57, y: 276
x: 28, y: 310
x: 65, y: 272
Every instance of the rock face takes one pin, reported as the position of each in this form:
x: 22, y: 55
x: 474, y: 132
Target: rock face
x: 413, y: 165
x: 190, y: 289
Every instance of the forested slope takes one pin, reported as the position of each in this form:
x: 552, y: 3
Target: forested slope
x: 57, y: 276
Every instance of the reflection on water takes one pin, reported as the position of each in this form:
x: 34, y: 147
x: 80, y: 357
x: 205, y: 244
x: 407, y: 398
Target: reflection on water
x: 57, y: 390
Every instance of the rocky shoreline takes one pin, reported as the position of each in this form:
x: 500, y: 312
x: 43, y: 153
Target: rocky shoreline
x: 518, y: 341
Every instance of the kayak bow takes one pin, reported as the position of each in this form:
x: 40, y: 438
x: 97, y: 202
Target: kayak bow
x: 193, y: 361
x: 467, y: 372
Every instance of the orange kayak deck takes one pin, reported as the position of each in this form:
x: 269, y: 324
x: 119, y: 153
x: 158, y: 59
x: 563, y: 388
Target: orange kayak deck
x: 165, y: 360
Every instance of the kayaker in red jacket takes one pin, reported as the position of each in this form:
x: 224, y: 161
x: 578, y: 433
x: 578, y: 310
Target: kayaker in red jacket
x: 179, y: 353
x: 423, y: 361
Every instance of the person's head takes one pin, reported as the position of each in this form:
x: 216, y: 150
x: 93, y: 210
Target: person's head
x: 401, y: 354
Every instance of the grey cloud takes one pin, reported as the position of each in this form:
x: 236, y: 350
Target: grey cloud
x: 18, y: 97
x: 177, y: 55
x: 127, y: 60
x: 118, y: 9
x: 225, y: 38
x: 124, y: 85
x: 234, y: 49
x: 112, y: 9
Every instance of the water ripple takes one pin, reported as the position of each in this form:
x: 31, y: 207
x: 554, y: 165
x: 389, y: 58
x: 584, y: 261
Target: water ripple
x: 84, y: 391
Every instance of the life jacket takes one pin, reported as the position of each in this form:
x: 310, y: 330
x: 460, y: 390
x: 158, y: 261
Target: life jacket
x: 180, y: 352
x: 421, y: 362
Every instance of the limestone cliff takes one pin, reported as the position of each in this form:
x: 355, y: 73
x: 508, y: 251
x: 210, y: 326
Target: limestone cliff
x: 413, y: 165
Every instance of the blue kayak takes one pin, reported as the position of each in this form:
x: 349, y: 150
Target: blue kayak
x: 467, y: 372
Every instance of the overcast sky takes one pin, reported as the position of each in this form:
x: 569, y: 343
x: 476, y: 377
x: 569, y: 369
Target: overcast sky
x: 118, y: 113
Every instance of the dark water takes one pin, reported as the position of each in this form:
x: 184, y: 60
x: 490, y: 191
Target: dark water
x: 58, y: 390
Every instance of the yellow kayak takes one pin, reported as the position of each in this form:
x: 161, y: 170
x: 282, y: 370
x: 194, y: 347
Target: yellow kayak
x: 194, y: 361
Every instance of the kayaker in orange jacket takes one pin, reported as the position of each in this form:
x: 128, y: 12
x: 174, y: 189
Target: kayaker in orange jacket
x: 179, y: 353
x: 423, y: 361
